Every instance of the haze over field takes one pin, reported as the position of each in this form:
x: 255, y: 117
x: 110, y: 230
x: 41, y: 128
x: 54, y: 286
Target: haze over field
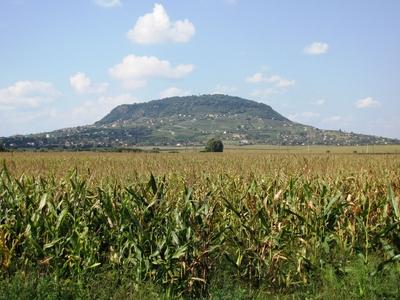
x: 330, y: 65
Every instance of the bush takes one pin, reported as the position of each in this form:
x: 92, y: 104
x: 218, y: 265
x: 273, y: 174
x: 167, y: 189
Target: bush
x: 214, y: 145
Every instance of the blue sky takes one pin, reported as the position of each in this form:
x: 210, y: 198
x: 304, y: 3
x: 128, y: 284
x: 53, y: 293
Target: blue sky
x: 330, y: 64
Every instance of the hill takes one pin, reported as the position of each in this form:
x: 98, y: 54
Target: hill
x: 191, y: 120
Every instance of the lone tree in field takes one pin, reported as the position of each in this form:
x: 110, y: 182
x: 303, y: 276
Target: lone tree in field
x: 214, y: 145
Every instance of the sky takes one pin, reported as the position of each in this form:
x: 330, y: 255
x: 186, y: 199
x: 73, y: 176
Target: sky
x: 330, y: 64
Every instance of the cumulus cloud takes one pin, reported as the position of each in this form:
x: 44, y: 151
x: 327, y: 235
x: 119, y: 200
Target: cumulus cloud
x: 156, y: 27
x: 134, y: 71
x: 316, y: 48
x: 27, y: 94
x: 174, y: 91
x: 108, y: 3
x: 82, y: 84
x: 277, y: 80
x: 368, y: 102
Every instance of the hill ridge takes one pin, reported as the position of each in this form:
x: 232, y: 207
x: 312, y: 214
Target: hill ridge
x: 191, y: 120
x: 218, y: 102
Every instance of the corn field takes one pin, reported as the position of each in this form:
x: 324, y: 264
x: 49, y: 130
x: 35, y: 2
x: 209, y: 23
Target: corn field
x: 180, y: 220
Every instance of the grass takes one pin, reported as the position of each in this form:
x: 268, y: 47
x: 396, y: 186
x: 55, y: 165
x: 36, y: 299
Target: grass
x: 241, y: 224
x: 357, y: 283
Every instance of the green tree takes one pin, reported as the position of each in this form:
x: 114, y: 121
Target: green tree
x: 214, y: 145
x: 2, y: 148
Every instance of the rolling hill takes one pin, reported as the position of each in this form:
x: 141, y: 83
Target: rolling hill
x: 190, y: 120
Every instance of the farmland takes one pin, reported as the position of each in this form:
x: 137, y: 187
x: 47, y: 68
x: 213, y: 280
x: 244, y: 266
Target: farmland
x: 251, y: 222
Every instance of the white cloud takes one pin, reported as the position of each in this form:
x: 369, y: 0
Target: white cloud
x: 316, y: 48
x: 91, y: 111
x: 108, y: 3
x: 309, y: 114
x: 319, y: 102
x: 25, y: 121
x: 174, y: 91
x: 333, y: 119
x: 31, y: 116
x: 156, y: 27
x: 368, y: 102
x: 82, y: 84
x: 263, y: 93
x: 49, y: 118
x: 303, y: 116
x: 280, y: 81
x: 27, y: 94
x: 256, y: 78
x: 134, y: 71
x: 224, y: 89
x: 277, y: 80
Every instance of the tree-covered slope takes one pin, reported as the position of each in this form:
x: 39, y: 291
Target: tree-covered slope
x: 193, y: 106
